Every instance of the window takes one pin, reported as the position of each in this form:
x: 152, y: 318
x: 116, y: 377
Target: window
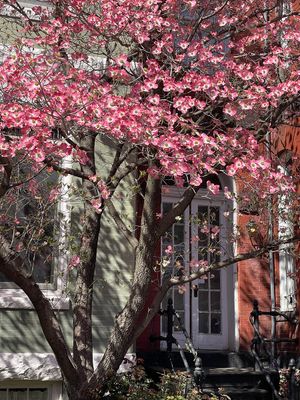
x: 24, y: 394
x: 49, y: 262
x: 31, y: 391
x: 286, y: 251
x: 29, y: 225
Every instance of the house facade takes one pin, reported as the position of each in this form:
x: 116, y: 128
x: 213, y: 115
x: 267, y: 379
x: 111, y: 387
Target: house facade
x: 28, y: 368
x: 214, y: 309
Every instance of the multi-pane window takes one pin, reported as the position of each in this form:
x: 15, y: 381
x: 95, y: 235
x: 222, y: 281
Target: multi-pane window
x: 24, y: 394
x: 29, y: 224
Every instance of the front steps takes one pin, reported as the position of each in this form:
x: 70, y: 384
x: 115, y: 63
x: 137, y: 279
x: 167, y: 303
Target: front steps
x: 228, y: 372
x: 238, y: 383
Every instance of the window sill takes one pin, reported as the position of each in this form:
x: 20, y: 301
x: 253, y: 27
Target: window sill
x: 16, y: 299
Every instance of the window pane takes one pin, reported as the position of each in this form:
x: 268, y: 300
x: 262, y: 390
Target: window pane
x: 177, y: 323
x: 203, y: 283
x: 31, y: 225
x: 167, y: 207
x: 215, y: 280
x: 203, y: 300
x: 3, y: 393
x: 178, y: 300
x: 17, y: 394
x: 215, y: 323
x: 167, y: 238
x: 214, y: 255
x: 179, y: 264
x: 214, y: 216
x: 215, y: 301
x: 38, y: 394
x: 179, y: 234
x: 202, y: 254
x: 203, y: 323
x: 42, y: 267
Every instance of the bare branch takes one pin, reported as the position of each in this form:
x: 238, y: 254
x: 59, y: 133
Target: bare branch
x: 238, y: 258
x: 167, y: 284
x: 16, y: 184
x: 7, y: 170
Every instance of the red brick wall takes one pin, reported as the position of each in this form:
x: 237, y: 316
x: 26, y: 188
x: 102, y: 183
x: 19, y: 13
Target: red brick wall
x: 254, y: 275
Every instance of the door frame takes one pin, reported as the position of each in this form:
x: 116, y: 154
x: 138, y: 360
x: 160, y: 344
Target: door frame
x: 173, y: 194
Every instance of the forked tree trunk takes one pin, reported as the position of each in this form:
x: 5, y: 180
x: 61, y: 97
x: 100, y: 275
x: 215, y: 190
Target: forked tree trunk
x: 125, y: 324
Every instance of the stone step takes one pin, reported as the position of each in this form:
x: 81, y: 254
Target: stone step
x: 248, y: 394
x: 210, y: 359
x: 236, y: 377
x: 232, y: 373
x: 231, y: 380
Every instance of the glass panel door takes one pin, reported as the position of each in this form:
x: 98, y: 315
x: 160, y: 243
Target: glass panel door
x: 209, y: 301
x: 195, y: 239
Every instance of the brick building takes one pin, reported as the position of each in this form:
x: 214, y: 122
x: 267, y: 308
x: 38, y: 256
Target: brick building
x: 216, y: 310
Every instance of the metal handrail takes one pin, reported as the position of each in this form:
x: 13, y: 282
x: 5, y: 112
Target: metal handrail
x: 198, y: 375
x: 259, y: 341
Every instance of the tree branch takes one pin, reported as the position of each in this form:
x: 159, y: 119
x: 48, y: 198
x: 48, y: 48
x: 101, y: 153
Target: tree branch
x: 7, y: 169
x: 120, y: 223
x: 167, y: 284
x: 168, y: 220
x: 16, y: 184
x: 68, y: 171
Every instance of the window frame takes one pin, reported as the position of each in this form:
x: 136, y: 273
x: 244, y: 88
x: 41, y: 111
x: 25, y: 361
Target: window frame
x: 55, y: 391
x: 286, y: 258
x: 15, y: 298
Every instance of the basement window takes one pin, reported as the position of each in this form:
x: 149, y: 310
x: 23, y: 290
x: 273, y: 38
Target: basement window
x: 24, y: 394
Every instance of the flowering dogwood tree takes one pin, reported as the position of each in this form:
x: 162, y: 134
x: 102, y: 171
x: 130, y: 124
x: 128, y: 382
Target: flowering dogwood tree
x: 185, y: 89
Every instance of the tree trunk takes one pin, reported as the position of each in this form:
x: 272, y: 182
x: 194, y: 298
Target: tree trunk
x: 125, y: 324
x: 83, y: 300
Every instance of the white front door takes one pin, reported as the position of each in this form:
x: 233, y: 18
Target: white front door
x: 198, y: 236
x: 209, y: 297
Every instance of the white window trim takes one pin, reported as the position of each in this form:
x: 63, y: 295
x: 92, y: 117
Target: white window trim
x: 15, y: 298
x: 287, y: 284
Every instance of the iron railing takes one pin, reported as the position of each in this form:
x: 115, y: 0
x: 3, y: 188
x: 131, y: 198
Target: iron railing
x: 267, y: 359
x: 198, y: 374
